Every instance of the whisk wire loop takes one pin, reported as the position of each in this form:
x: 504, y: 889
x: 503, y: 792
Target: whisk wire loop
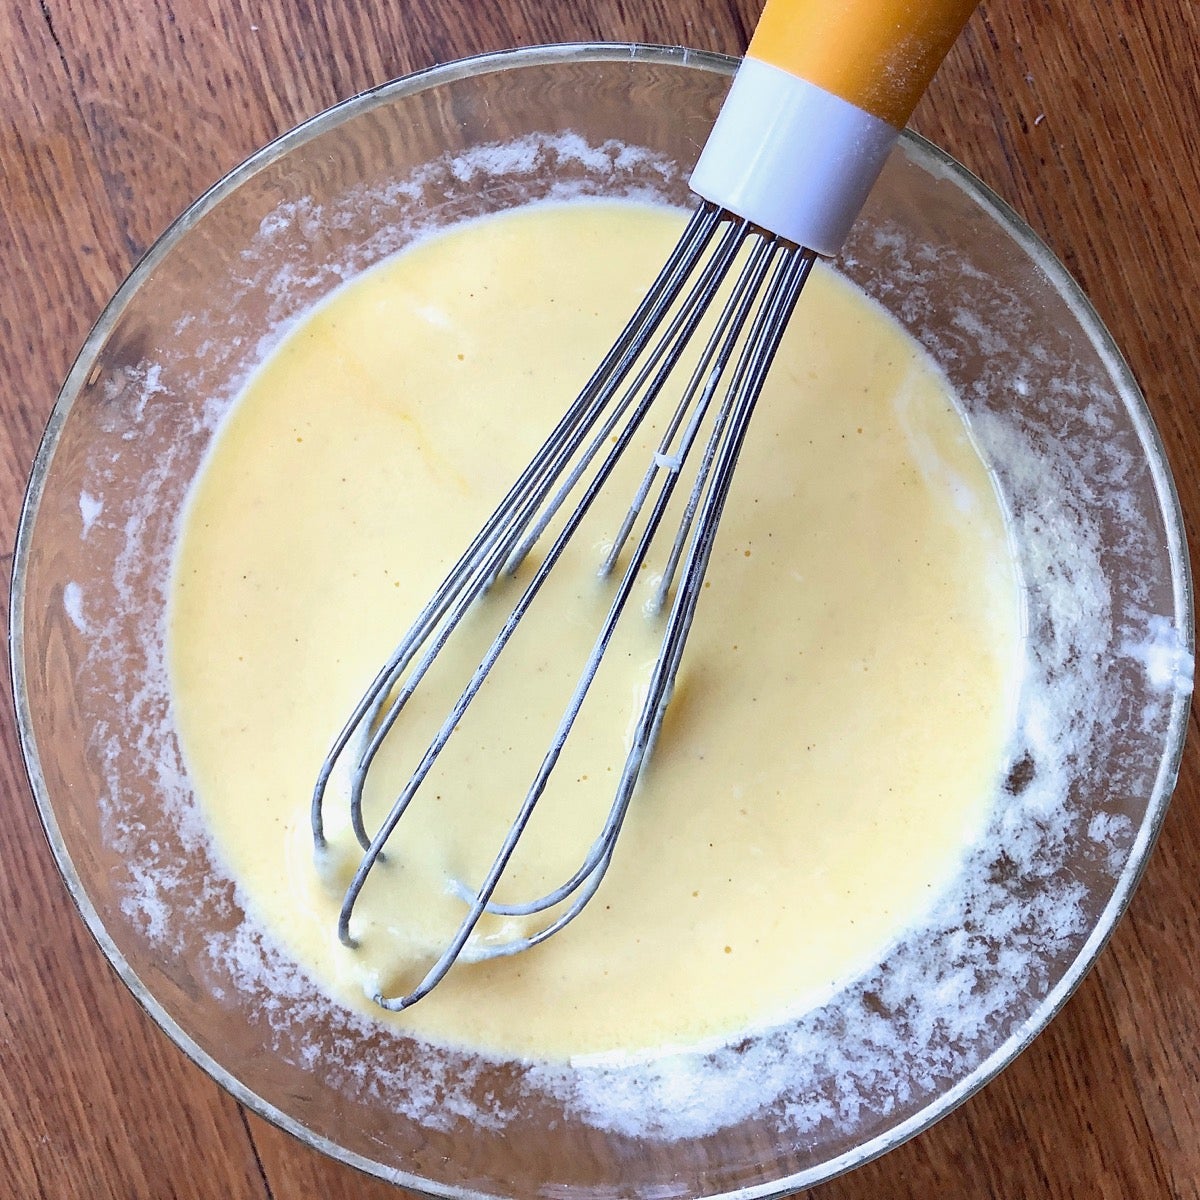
x: 722, y: 451
x: 746, y: 332
x: 695, y: 400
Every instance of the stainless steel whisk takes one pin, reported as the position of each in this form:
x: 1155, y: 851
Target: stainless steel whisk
x: 809, y: 121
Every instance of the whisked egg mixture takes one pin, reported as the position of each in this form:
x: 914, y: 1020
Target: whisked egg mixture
x: 839, y: 730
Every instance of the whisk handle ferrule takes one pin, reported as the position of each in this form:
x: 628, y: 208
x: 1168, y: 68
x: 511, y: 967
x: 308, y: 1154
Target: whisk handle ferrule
x: 816, y: 107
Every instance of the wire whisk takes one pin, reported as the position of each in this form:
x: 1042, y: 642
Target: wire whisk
x: 574, y: 464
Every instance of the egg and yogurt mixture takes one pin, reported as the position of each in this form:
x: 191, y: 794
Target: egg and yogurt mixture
x: 839, y: 728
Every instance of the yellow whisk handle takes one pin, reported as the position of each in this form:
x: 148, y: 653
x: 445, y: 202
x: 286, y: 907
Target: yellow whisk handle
x: 877, y: 54
x: 816, y: 106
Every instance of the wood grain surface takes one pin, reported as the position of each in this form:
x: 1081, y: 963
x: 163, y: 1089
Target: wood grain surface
x: 113, y: 116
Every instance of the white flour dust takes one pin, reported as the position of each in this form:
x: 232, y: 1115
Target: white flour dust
x: 950, y: 993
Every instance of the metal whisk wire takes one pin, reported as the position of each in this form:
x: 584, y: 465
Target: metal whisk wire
x: 624, y: 388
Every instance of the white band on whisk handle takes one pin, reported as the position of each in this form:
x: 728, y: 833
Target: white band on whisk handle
x: 815, y: 108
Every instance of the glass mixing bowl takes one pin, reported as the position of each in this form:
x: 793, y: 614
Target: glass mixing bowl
x: 1096, y: 527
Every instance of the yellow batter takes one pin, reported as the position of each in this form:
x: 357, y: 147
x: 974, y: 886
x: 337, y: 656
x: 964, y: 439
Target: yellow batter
x: 839, y: 726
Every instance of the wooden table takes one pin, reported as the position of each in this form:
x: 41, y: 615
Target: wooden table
x: 113, y: 116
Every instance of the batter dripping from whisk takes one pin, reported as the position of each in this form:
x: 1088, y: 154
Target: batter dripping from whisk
x: 839, y: 728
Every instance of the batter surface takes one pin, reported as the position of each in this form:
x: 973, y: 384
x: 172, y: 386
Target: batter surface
x: 839, y: 728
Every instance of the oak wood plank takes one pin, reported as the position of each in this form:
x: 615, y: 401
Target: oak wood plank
x: 89, y: 1088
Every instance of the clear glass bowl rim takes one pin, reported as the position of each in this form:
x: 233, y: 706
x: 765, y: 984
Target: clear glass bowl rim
x: 932, y: 159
